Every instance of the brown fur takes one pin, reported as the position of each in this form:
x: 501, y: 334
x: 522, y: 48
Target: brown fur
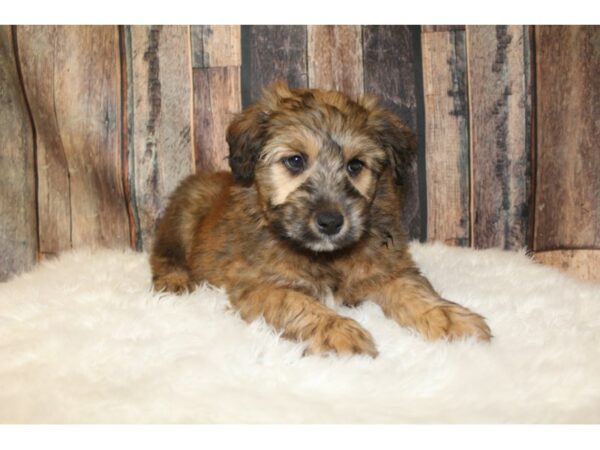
x: 256, y: 232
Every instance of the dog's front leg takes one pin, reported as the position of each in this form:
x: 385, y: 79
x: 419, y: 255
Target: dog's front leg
x: 303, y: 318
x: 411, y: 301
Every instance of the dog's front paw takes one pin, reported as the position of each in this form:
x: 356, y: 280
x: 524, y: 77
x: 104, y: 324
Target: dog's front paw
x: 177, y: 282
x: 343, y: 336
x: 451, y: 321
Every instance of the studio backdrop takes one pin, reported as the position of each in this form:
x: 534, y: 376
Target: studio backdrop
x: 99, y: 123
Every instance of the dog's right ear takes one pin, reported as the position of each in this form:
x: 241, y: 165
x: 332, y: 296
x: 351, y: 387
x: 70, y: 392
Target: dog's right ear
x: 247, y: 133
x: 246, y: 136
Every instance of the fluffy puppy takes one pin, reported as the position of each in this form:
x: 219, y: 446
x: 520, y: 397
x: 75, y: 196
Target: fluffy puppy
x: 310, y: 208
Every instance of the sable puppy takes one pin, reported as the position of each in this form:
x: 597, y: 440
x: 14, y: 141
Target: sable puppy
x: 310, y: 208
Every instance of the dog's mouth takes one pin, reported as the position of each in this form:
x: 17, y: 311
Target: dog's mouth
x: 321, y: 233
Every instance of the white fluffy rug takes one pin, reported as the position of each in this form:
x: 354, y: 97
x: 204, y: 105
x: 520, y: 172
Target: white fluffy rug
x: 82, y: 339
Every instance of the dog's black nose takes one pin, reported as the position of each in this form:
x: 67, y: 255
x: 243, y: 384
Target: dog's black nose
x: 330, y: 222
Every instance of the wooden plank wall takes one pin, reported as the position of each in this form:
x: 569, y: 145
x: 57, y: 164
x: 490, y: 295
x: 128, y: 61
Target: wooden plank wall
x: 567, y: 197
x: 105, y: 121
x: 18, y: 215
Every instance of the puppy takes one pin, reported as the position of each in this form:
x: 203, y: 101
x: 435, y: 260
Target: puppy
x: 310, y: 208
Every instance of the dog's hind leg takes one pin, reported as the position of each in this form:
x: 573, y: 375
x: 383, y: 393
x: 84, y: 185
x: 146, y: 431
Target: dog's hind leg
x: 187, y: 207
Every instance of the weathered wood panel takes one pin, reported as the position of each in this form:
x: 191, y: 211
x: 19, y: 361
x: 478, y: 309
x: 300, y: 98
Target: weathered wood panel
x: 584, y: 264
x: 217, y: 91
x: 216, y: 45
x: 432, y: 28
x: 37, y: 51
x: 271, y: 53
x: 161, y: 116
x: 217, y: 98
x: 500, y: 131
x: 18, y: 229
x: 392, y: 70
x: 447, y: 137
x: 72, y: 80
x: 567, y: 204
x: 335, y: 58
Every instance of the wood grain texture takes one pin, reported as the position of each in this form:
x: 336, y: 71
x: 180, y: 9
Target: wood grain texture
x: 37, y: 50
x: 335, y: 58
x: 161, y: 115
x: 500, y: 131
x: 392, y: 71
x: 18, y: 228
x: 72, y: 80
x: 567, y: 204
x: 447, y: 138
x: 216, y: 46
x: 434, y: 28
x: 217, y: 97
x: 583, y: 264
x: 270, y: 53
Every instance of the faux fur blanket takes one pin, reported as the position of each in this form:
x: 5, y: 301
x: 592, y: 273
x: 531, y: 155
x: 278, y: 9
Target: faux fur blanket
x: 83, y: 339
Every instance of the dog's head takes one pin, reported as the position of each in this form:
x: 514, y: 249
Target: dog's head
x: 315, y: 158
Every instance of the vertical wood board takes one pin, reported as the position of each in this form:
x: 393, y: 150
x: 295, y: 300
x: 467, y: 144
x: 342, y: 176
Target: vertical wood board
x: 567, y: 204
x: 72, y: 80
x: 161, y: 112
x: 500, y: 127
x: 392, y: 71
x: 18, y: 229
x: 335, y: 60
x: 216, y: 45
x: 270, y: 53
x: 447, y: 137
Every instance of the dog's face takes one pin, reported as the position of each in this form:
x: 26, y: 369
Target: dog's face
x: 315, y: 159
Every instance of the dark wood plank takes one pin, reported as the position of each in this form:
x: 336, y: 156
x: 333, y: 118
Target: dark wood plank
x: 162, y: 149
x: 434, y: 28
x: 500, y: 130
x: 270, y: 53
x: 72, y: 78
x: 216, y: 46
x: 567, y: 204
x: 18, y: 229
x: 447, y: 137
x: 392, y: 70
x: 583, y: 264
x: 217, y: 98
x: 335, y: 58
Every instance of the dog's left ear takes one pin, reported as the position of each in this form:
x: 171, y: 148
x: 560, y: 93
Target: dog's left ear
x: 394, y: 136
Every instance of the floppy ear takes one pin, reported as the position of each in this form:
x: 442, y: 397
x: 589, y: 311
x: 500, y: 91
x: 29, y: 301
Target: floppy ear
x: 246, y: 136
x: 247, y: 133
x: 394, y: 136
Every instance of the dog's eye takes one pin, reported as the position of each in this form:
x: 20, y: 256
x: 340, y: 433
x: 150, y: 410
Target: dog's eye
x: 354, y: 166
x: 294, y: 163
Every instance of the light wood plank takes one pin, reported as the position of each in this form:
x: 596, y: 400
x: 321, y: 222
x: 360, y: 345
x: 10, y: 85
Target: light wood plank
x: 583, y: 264
x: 162, y: 146
x: 37, y: 51
x: 335, y: 58
x: 217, y: 98
x: 500, y: 130
x: 18, y: 229
x: 447, y: 138
x: 72, y: 77
x: 216, y: 46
